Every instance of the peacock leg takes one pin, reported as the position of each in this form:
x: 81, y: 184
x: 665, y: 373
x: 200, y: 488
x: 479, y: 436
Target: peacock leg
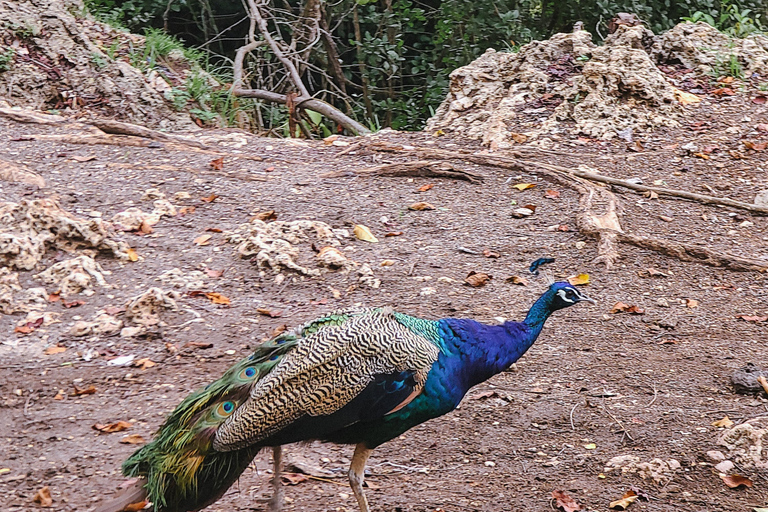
x: 276, y: 502
x: 357, y: 474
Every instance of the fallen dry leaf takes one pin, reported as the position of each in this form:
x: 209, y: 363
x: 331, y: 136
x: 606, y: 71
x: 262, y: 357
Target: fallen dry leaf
x: 625, y: 501
x: 723, y: 91
x: 145, y: 228
x: 218, y: 298
x: 692, y: 303
x: 734, y: 481
x: 621, y: 307
x: 133, y: 439
x: 268, y: 312
x: 81, y: 159
x: 144, y: 363
x: 551, y: 194
x: 748, y: 318
x: 364, y: 234
x: 579, y: 280
x: 755, y: 146
x: 214, y: 230
x: 723, y: 423
x: 54, y: 350
x: 43, y: 497
x: 483, y: 394
x: 524, y: 186
x: 198, y: 344
x: 394, y: 233
x: 685, y: 98
x: 421, y: 206
x: 217, y: 164
x: 184, y: 210
x: 118, y: 426
x: 759, y: 100
x: 266, y: 216
x: 517, y: 280
x: 272, y: 167
x: 651, y: 272
x: 211, y: 198
x: 426, y: 187
x: 491, y: 254
x: 565, y: 502
x: 202, y: 240
x: 293, y: 478
x: 477, y: 279
x: 518, y: 137
x: 29, y: 326
x: 135, y: 507
x: 84, y: 391
x: 53, y: 297
x: 133, y: 255
x: 667, y: 342
x: 214, y: 273
x: 72, y: 303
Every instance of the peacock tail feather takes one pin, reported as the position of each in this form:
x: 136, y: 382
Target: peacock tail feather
x: 318, y: 370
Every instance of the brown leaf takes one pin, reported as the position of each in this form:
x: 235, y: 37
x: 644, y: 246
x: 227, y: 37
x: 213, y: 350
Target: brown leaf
x: 748, y: 318
x: 565, y: 502
x: 132, y: 255
x: 755, y: 146
x: 211, y: 198
x: 621, y: 307
x: 667, y: 342
x: 73, y: 303
x: 218, y: 298
x: 552, y: 194
x: 734, y: 481
x: 135, y: 507
x: 29, y: 326
x: 625, y: 501
x: 43, y: 497
x: 736, y: 155
x: 759, y: 100
x: 113, y: 310
x: 725, y: 422
x: 213, y: 230
x: 214, y: 273
x: 293, y: 478
x: 217, y: 164
x: 145, y: 227
x: 133, y: 439
x: 198, y: 344
x: 723, y: 91
x: 426, y: 187
x: 483, y: 394
x: 477, y: 279
x: 118, y: 426
x: 270, y: 168
x: 268, y: 312
x: 517, y: 280
x: 531, y: 207
x: 81, y: 159
x: 394, y: 233
x: 280, y: 329
x: 84, y: 391
x: 651, y: 272
x: 202, y: 240
x: 421, y: 206
x: 54, y: 350
x: 491, y: 254
x: 185, y: 210
x: 144, y: 363
x: 53, y: 297
x: 564, y: 228
x: 518, y: 137
x: 266, y: 216
x: 692, y: 303
x: 364, y: 233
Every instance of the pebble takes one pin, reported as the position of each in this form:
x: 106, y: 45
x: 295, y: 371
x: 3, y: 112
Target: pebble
x: 725, y: 466
x: 490, y: 464
x: 715, y: 456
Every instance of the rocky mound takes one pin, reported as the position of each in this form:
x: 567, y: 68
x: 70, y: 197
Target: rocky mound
x: 54, y: 57
x: 568, y: 84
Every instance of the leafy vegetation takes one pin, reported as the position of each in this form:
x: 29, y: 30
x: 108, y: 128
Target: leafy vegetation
x: 395, y: 55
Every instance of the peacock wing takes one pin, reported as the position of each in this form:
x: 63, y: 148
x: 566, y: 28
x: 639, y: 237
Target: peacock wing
x: 337, y: 373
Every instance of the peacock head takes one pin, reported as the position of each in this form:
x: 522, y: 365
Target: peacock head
x: 564, y: 294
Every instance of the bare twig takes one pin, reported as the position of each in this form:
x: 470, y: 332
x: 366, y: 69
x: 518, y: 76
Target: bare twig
x: 425, y: 168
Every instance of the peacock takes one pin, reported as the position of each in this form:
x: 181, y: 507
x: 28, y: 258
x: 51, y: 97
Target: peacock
x: 357, y: 376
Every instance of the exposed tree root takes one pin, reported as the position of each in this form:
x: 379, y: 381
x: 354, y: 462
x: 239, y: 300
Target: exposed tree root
x: 600, y: 210
x: 422, y: 168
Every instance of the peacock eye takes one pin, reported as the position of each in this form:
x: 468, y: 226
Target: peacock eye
x: 274, y: 358
x: 248, y: 373
x: 225, y: 408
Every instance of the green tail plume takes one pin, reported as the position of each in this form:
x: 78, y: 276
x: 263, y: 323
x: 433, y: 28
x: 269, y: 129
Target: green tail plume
x: 182, y: 469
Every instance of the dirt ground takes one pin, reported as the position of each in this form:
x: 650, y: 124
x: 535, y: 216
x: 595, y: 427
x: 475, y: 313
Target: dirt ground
x: 595, y: 386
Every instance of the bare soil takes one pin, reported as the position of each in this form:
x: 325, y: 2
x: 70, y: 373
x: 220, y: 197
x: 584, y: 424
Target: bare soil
x: 647, y: 385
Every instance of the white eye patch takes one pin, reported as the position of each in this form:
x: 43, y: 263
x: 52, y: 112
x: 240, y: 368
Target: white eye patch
x: 561, y: 293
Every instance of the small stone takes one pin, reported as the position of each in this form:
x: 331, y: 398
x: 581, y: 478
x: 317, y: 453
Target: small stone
x: 662, y: 302
x: 673, y: 464
x: 725, y: 466
x: 761, y: 199
x: 178, y: 196
x: 746, y: 224
x: 519, y: 213
x: 715, y: 456
x: 151, y: 194
x: 489, y: 464
x: 580, y: 244
x: 130, y: 332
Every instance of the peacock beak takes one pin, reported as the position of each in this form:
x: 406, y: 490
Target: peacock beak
x: 584, y: 298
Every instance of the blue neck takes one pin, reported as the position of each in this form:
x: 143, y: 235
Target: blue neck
x: 481, y: 351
